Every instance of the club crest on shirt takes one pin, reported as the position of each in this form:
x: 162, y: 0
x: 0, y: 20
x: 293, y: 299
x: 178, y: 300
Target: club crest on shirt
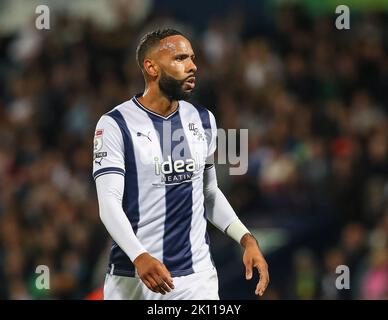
x: 196, y: 132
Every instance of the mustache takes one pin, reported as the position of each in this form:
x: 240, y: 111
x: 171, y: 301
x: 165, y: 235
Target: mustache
x: 188, y: 77
x: 181, y: 81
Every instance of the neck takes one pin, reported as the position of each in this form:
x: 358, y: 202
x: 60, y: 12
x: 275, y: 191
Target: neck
x: 157, y: 102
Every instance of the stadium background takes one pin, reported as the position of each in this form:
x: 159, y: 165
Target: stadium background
x: 314, y: 99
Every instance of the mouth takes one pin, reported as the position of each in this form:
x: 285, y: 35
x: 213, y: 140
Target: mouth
x: 190, y: 82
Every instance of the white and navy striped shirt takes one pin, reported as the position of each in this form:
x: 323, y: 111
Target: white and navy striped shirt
x: 162, y: 160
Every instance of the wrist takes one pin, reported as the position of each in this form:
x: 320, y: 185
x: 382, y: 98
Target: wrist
x: 248, y: 240
x: 237, y: 230
x: 140, y: 258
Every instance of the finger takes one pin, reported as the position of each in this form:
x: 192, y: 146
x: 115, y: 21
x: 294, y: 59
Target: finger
x: 149, y: 285
x: 164, y: 278
x: 168, y: 280
x: 260, y: 288
x: 167, y: 276
x: 146, y: 282
x: 263, y: 282
x: 164, y: 285
x: 155, y: 285
x: 161, y: 287
x: 248, y: 270
x: 159, y: 280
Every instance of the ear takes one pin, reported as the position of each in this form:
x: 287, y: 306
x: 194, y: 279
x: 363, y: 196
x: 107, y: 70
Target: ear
x: 151, y: 68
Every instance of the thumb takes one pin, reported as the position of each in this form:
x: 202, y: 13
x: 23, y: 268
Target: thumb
x: 248, y: 270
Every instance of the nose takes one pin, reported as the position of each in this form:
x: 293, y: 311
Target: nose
x: 192, y: 67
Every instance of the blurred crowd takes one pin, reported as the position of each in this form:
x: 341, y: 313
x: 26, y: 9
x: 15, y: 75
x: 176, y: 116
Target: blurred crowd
x: 315, y: 102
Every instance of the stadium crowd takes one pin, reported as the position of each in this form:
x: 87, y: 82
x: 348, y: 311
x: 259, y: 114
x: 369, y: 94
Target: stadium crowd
x: 313, y: 98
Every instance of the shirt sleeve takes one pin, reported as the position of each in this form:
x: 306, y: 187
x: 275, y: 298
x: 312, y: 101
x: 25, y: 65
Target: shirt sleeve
x: 108, y: 148
x: 110, y: 189
x: 218, y: 209
x: 213, y: 142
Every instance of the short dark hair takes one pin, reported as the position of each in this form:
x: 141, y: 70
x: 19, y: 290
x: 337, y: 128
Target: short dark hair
x: 150, y: 40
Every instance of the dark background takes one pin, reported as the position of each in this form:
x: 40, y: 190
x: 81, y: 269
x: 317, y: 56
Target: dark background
x: 314, y: 99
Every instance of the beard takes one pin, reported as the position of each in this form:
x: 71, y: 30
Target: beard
x: 173, y: 88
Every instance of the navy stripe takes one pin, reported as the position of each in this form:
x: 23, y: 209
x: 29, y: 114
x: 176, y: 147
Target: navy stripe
x: 131, y: 190
x: 177, y: 255
x: 121, y: 270
x: 106, y: 170
x: 109, y: 172
x: 205, y: 119
x: 209, y: 166
x: 150, y: 112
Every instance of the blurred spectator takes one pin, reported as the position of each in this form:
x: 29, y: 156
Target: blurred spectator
x: 306, y: 281
x: 332, y: 259
x: 314, y: 101
x: 375, y: 284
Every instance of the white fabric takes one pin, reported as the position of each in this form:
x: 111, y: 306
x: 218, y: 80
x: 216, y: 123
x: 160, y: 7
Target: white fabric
x: 151, y: 188
x: 213, y: 141
x: 197, y: 286
x: 109, y: 141
x: 218, y: 209
x: 237, y: 230
x: 110, y: 189
x: 201, y: 259
x: 144, y: 160
x: 152, y: 200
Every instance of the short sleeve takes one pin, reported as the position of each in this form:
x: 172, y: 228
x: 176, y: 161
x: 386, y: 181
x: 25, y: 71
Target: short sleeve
x: 108, y: 148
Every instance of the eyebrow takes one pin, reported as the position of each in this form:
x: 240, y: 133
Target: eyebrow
x: 184, y: 55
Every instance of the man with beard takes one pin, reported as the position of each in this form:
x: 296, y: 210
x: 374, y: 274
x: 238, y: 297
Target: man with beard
x: 157, y: 187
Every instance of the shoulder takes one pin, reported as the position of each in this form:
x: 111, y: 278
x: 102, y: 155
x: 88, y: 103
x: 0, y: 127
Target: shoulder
x: 107, y: 124
x: 119, y: 108
x: 207, y: 117
x: 189, y: 105
x: 109, y: 118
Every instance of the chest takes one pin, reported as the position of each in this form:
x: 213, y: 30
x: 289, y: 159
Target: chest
x: 169, y: 152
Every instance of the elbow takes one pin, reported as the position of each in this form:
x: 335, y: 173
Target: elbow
x: 210, y: 192
x: 209, y: 195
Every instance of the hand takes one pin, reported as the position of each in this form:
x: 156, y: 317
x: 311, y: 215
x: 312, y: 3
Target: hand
x: 253, y: 257
x: 153, y: 273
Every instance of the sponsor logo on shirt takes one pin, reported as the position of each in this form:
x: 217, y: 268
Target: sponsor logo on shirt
x: 99, y: 156
x: 140, y: 134
x: 176, y: 172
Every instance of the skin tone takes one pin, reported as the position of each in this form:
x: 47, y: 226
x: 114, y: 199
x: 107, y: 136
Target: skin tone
x: 175, y: 57
x: 254, y: 258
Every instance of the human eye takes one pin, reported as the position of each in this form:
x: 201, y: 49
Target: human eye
x: 181, y: 57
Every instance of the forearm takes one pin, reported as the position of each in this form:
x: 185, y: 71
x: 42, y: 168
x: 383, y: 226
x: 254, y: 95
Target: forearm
x: 218, y: 209
x: 109, y: 191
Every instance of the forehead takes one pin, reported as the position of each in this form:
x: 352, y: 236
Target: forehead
x: 174, y: 45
